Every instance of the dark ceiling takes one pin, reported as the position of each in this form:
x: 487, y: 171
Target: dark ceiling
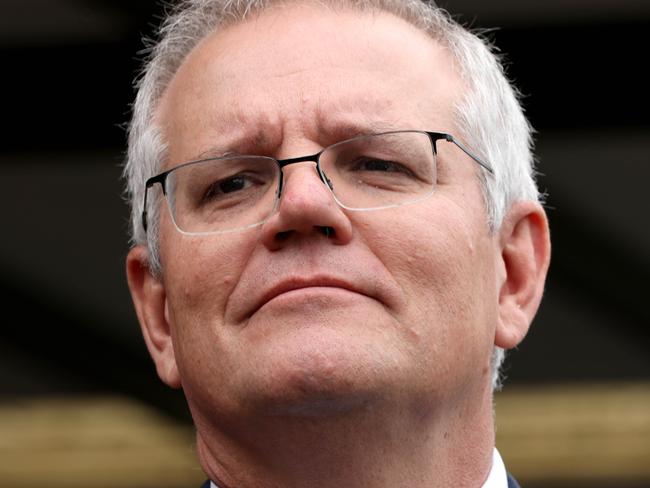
x: 67, y: 84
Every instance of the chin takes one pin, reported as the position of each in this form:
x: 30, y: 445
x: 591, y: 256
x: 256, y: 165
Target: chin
x: 321, y: 406
x: 315, y: 375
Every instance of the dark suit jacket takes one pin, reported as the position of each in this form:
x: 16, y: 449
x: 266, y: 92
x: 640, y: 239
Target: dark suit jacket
x: 512, y: 483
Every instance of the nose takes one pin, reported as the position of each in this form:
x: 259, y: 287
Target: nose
x: 306, y: 208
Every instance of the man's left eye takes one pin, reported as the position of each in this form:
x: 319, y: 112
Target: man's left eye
x: 380, y: 165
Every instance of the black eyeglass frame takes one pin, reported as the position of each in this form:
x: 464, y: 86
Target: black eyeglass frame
x: 433, y: 137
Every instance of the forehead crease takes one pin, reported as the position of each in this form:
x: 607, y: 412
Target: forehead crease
x: 321, y: 117
x: 243, y: 129
x: 251, y: 128
x: 257, y: 126
x: 344, y: 117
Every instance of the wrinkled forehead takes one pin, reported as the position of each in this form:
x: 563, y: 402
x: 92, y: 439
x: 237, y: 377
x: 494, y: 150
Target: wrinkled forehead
x: 307, y: 71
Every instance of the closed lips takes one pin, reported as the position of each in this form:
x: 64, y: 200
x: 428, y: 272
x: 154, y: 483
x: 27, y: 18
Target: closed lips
x: 298, y: 283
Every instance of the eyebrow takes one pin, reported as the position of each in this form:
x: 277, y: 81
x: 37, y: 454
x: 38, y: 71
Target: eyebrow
x: 336, y: 131
x: 329, y: 132
x: 213, y: 153
x: 242, y: 144
x: 344, y: 119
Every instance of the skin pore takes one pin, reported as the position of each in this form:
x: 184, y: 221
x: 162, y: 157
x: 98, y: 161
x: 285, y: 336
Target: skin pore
x: 369, y: 349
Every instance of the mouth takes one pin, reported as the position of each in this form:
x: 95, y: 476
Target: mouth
x: 303, y: 283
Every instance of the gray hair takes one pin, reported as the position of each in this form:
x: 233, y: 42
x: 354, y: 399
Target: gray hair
x: 489, y: 118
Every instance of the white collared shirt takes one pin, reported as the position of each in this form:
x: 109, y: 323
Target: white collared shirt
x: 496, y: 479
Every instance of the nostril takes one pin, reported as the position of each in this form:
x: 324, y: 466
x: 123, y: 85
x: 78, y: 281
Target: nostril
x: 327, y: 231
x: 283, y: 235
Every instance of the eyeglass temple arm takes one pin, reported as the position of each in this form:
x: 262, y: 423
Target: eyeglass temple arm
x: 144, y: 212
x: 161, y: 178
x: 483, y: 164
x: 149, y: 183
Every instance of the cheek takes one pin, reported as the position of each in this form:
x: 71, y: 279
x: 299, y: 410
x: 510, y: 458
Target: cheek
x: 443, y: 262
x: 200, y: 273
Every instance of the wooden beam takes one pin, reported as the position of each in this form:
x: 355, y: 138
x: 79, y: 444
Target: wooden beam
x: 576, y: 432
x: 96, y: 442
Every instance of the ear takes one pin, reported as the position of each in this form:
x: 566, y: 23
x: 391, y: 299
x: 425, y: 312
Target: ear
x: 150, y: 300
x: 524, y: 260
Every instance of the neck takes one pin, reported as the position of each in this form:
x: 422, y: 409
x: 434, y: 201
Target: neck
x: 375, y: 445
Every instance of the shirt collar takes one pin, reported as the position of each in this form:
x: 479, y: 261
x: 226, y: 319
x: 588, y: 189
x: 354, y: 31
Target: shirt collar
x: 497, y: 477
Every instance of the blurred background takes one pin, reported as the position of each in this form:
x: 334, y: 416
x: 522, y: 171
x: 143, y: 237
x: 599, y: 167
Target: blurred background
x: 80, y: 403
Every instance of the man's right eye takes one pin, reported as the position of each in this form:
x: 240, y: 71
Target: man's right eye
x: 227, y: 186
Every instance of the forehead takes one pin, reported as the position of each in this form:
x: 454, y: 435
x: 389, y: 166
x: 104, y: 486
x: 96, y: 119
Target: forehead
x: 308, y: 72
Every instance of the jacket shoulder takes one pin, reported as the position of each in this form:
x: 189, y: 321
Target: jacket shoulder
x: 512, y: 483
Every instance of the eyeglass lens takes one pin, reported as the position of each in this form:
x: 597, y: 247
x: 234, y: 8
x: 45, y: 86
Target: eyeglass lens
x: 363, y: 173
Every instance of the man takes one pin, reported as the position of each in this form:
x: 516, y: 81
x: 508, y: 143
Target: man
x: 330, y: 284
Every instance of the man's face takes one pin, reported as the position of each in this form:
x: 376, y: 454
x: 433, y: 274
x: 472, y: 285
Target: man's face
x: 397, y: 306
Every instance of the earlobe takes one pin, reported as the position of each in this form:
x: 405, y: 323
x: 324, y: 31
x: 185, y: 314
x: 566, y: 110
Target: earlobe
x: 524, y: 260
x: 150, y: 301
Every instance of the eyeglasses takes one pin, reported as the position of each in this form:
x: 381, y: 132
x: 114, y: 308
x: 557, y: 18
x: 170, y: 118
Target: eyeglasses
x: 367, y: 172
